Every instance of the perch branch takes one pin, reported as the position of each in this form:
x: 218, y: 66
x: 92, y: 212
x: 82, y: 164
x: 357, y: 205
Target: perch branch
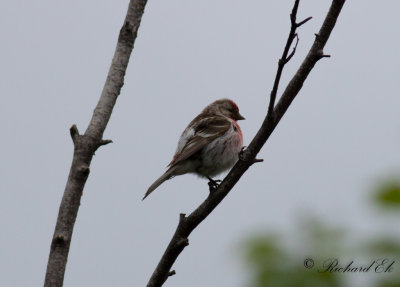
x: 188, y: 224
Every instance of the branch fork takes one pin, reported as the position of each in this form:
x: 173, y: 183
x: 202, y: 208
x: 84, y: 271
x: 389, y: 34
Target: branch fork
x: 286, y: 57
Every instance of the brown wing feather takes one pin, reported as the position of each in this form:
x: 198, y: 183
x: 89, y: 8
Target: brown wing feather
x: 206, y: 131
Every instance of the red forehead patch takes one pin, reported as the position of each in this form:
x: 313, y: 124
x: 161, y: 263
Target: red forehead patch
x: 234, y: 105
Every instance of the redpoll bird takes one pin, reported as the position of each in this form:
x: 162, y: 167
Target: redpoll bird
x: 209, y: 145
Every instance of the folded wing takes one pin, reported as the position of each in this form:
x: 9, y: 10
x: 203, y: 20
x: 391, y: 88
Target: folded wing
x: 203, y: 133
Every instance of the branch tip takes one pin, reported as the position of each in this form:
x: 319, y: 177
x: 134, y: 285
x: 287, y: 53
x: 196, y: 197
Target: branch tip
x: 294, y: 12
x: 171, y: 273
x: 105, y: 142
x: 74, y: 132
x: 182, y: 217
x: 320, y: 55
x: 303, y: 22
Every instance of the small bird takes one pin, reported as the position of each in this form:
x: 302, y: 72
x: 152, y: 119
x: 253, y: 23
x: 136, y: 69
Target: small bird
x: 208, y: 146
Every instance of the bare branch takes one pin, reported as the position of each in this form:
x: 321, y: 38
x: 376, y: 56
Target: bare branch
x: 85, y: 146
x: 285, y: 58
x: 188, y: 224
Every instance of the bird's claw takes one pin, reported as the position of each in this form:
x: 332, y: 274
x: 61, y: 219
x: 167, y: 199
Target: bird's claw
x: 213, y: 184
x: 241, y: 153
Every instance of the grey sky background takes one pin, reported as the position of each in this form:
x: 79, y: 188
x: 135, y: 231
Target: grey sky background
x: 338, y: 138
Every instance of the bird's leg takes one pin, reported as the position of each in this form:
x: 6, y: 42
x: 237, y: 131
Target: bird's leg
x: 213, y: 184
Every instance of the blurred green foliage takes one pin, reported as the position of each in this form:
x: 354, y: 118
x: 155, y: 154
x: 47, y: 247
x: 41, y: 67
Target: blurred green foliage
x: 273, y: 260
x: 384, y: 247
x: 388, y: 194
x: 272, y: 265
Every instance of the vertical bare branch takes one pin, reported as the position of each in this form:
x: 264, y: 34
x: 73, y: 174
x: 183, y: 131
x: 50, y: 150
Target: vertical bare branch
x: 85, y: 145
x: 188, y: 224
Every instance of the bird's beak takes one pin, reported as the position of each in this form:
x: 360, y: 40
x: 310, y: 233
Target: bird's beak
x: 239, y: 117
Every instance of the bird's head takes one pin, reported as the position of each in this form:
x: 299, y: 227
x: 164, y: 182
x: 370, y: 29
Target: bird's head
x: 226, y: 107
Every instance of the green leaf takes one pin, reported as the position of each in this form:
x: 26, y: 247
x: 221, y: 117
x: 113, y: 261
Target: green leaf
x: 388, y: 194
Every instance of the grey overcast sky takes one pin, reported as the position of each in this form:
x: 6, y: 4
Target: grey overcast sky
x: 339, y: 136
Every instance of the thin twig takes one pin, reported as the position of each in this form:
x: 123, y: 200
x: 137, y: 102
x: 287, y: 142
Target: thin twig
x: 105, y: 142
x: 303, y: 22
x: 293, y: 51
x: 285, y: 58
x: 188, y: 224
x: 85, y: 146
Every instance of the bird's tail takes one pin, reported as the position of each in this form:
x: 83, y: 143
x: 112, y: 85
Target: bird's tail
x: 167, y: 175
